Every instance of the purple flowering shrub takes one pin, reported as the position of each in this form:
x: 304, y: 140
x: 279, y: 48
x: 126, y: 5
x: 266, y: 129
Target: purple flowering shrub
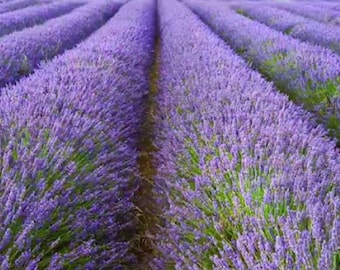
x: 68, y: 136
x: 18, y: 4
x: 309, y: 74
x: 297, y: 26
x: 325, y: 4
x: 21, y: 52
x: 30, y: 16
x: 247, y: 179
x: 320, y: 14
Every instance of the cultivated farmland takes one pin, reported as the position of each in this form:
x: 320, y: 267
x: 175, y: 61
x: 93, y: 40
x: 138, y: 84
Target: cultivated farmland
x: 169, y: 135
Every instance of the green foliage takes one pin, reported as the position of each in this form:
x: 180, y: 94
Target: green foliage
x: 25, y: 68
x: 223, y: 206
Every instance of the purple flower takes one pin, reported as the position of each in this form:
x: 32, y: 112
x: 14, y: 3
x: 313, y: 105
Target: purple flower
x: 297, y: 26
x: 314, y: 12
x: 30, y: 16
x: 242, y: 171
x: 21, y: 52
x: 308, y: 74
x: 18, y: 4
x: 69, y: 136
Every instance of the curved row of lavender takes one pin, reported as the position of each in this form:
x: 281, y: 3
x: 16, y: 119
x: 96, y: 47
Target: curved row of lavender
x: 294, y: 25
x: 21, y: 52
x: 248, y: 181
x: 316, y: 13
x: 18, y: 4
x: 309, y: 74
x: 30, y: 16
x: 325, y: 4
x: 68, y: 137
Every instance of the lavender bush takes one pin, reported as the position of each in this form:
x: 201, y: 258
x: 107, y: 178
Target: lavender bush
x: 247, y: 179
x: 20, y: 19
x: 22, y: 51
x: 316, y: 13
x: 309, y: 74
x: 328, y: 5
x: 294, y: 25
x: 68, y: 137
x: 18, y: 4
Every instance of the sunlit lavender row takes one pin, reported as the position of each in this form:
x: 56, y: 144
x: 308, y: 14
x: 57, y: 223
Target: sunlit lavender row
x: 30, y: 16
x: 19, y: 4
x: 309, y: 74
x: 248, y: 180
x: 296, y: 26
x: 68, y: 138
x: 22, y: 51
x: 318, y: 13
x: 169, y: 135
x: 335, y: 5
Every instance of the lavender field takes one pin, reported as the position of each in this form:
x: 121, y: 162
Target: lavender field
x: 169, y: 134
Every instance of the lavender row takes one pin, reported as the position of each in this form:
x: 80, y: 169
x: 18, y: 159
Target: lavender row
x: 328, y: 5
x: 18, y: 4
x: 316, y: 13
x: 294, y: 25
x: 21, y: 52
x: 68, y: 151
x: 248, y: 181
x: 309, y: 74
x: 18, y: 20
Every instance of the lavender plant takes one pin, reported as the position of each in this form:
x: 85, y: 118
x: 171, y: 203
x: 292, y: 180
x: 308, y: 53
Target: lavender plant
x: 21, y: 52
x: 294, y: 25
x: 28, y: 17
x: 309, y: 74
x: 316, y: 13
x: 247, y: 180
x: 18, y: 4
x: 326, y: 4
x: 68, y: 138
